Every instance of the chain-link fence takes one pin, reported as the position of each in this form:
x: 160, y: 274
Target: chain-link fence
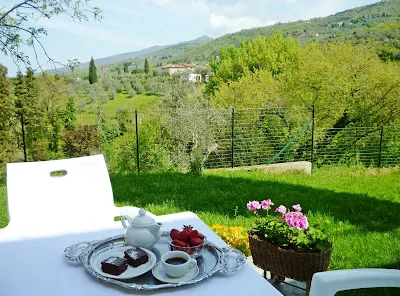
x: 160, y: 140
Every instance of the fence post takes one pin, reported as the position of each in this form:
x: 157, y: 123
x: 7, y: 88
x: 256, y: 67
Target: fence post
x: 233, y: 136
x: 380, y: 148
x: 137, y: 142
x: 312, y: 136
x: 23, y: 135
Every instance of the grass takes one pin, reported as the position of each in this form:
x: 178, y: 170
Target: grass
x: 139, y: 102
x: 361, y: 205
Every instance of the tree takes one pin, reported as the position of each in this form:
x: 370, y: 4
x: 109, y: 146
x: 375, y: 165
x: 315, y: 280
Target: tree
x: 92, y: 72
x: 6, y: 115
x: 275, y: 54
x: 146, y: 66
x: 31, y: 110
x: 126, y: 67
x: 69, y: 115
x: 16, y: 30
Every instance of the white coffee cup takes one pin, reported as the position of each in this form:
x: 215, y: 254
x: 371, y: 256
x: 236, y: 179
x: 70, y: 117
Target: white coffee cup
x: 177, y: 269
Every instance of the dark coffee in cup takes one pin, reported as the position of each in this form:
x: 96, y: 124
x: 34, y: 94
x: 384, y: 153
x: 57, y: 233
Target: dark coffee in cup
x: 176, y: 261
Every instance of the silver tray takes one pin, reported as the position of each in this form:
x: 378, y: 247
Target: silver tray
x: 213, y: 259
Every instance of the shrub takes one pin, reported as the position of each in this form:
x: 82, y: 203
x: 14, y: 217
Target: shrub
x: 83, y: 142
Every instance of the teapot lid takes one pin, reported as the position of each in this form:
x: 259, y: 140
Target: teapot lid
x: 142, y: 219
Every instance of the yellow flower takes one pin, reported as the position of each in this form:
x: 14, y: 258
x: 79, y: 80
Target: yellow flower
x: 234, y: 236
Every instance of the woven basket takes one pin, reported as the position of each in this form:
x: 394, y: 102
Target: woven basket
x: 287, y: 263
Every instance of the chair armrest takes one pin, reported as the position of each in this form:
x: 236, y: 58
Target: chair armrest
x: 330, y: 282
x: 130, y: 211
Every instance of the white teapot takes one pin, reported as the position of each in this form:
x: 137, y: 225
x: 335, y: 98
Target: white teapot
x: 141, y: 231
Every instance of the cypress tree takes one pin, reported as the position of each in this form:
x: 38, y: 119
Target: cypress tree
x: 146, y: 66
x: 92, y: 72
x: 69, y: 115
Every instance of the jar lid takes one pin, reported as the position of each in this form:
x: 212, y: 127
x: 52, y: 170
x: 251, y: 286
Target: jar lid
x: 142, y: 219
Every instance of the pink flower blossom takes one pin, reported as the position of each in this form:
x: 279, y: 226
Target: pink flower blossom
x: 297, y: 220
x: 281, y: 209
x: 266, y: 204
x: 253, y: 205
x: 297, y: 208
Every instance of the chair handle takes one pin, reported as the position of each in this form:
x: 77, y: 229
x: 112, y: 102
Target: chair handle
x: 78, y: 248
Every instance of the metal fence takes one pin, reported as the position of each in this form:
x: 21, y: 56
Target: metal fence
x: 153, y: 140
x: 246, y: 137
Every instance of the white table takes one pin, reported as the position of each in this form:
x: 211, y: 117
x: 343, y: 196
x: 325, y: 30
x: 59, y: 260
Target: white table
x: 37, y: 267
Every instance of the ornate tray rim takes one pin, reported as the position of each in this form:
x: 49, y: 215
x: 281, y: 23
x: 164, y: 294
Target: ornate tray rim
x: 221, y: 266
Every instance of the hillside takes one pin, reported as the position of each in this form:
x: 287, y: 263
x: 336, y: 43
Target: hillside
x: 159, y: 52
x: 377, y: 23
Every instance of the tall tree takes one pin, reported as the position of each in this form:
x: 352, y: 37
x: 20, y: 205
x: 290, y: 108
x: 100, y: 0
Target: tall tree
x: 92, y: 72
x: 69, y: 115
x: 126, y: 67
x: 6, y: 115
x: 146, y: 66
x: 15, y: 24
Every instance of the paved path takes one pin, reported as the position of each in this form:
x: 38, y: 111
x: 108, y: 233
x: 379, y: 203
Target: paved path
x: 283, y: 288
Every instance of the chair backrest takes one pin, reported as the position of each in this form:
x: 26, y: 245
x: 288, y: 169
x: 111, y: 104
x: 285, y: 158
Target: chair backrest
x: 82, y: 198
x: 328, y: 283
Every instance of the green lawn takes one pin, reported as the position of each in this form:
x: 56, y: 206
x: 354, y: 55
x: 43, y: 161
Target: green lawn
x: 362, y: 205
x: 139, y: 102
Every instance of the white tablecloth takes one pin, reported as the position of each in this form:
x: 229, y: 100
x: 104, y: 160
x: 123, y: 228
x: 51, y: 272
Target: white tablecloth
x: 37, y: 267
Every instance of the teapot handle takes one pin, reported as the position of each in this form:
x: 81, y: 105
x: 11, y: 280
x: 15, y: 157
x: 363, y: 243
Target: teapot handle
x: 124, y: 219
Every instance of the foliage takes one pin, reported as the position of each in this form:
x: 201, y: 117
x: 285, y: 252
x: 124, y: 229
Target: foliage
x: 6, y: 118
x: 16, y: 30
x: 288, y: 229
x: 235, y: 236
x: 122, y: 153
x: 69, y: 115
x: 189, y: 125
x: 276, y: 55
x: 92, y: 72
x: 83, y: 142
x: 32, y: 110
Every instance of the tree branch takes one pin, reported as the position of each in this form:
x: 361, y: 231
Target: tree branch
x: 12, y: 9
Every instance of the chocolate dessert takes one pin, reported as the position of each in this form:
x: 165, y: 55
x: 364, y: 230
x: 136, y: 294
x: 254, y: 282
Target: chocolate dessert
x: 136, y: 256
x: 114, y: 265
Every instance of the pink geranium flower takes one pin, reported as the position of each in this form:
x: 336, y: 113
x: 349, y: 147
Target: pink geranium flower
x: 297, y: 220
x: 281, y: 209
x: 297, y: 208
x: 253, y: 205
x: 266, y: 204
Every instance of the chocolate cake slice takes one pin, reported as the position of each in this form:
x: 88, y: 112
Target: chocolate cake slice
x: 114, y: 265
x: 136, y: 256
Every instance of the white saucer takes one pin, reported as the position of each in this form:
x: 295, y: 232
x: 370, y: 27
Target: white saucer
x: 131, y: 271
x: 159, y: 273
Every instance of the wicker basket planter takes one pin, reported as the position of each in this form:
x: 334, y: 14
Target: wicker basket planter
x: 287, y: 263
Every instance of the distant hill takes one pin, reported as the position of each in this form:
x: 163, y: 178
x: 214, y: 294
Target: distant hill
x: 119, y: 58
x: 377, y: 24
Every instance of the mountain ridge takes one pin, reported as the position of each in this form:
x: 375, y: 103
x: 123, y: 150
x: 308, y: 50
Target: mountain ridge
x: 118, y: 58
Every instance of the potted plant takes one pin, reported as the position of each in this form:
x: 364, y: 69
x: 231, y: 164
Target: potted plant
x: 285, y: 243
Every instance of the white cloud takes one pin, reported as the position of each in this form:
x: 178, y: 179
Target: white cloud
x: 233, y: 24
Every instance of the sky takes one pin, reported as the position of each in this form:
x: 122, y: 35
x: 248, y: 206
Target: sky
x: 131, y: 25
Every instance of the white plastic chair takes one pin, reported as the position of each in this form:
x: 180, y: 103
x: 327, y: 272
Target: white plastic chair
x: 41, y: 204
x: 328, y: 283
